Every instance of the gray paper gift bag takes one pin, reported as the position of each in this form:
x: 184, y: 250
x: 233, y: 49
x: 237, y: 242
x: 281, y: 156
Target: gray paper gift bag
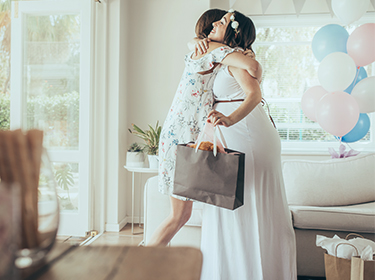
x: 217, y: 180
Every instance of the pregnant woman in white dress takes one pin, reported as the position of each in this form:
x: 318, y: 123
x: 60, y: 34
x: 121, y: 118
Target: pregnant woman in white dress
x: 255, y: 241
x: 187, y: 116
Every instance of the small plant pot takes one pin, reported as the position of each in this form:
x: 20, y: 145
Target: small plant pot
x: 135, y: 159
x: 153, y: 161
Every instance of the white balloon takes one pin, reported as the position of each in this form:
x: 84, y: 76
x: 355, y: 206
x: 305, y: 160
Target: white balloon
x: 348, y: 11
x: 310, y: 99
x: 364, y: 94
x: 336, y: 71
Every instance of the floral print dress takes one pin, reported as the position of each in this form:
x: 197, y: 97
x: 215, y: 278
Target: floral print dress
x: 188, y: 113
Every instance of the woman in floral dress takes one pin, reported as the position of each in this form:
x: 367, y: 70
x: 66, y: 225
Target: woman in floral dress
x: 188, y: 113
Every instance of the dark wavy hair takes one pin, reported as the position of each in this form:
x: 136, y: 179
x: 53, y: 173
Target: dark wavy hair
x: 246, y: 35
x: 203, y: 26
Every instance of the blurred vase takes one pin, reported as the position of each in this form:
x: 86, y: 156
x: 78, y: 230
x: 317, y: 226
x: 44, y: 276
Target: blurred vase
x: 135, y: 159
x: 153, y: 161
x: 48, y: 217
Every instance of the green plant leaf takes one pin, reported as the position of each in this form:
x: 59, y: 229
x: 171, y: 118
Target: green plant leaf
x: 136, y: 128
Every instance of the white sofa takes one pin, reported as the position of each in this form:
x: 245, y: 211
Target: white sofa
x: 325, y: 197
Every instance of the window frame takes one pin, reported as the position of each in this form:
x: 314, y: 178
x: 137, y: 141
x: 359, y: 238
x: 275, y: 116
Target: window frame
x: 315, y: 147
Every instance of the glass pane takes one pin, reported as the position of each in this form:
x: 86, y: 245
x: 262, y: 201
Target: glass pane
x: 51, y: 78
x: 288, y: 70
x: 4, y: 64
x: 286, y: 34
x: 67, y: 178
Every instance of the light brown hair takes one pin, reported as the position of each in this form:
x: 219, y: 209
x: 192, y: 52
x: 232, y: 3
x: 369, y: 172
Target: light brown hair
x: 203, y: 26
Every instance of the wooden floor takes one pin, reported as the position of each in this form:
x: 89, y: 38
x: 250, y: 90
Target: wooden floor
x: 122, y: 238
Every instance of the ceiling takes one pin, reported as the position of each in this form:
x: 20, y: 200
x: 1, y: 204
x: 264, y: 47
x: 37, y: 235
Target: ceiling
x: 283, y: 7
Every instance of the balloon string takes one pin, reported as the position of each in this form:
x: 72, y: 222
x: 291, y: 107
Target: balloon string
x: 356, y: 76
x: 349, y: 146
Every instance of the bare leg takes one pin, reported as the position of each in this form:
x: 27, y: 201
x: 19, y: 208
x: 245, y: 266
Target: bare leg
x: 180, y: 214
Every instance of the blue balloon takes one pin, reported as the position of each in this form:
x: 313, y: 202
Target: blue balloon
x: 328, y: 39
x: 361, y: 74
x: 359, y: 131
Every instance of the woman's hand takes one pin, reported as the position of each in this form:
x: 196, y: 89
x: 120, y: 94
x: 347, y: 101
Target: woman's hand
x: 217, y: 118
x: 201, y: 46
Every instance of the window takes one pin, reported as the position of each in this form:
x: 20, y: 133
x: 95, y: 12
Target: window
x: 50, y: 90
x: 4, y: 64
x: 283, y: 47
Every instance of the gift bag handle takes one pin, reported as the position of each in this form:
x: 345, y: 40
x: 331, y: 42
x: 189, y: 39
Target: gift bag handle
x: 353, y: 234
x: 221, y: 139
x: 346, y: 244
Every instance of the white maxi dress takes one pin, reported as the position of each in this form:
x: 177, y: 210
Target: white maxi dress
x: 256, y: 241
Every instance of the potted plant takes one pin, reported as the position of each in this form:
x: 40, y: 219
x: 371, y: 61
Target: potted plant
x: 151, y: 138
x: 135, y: 156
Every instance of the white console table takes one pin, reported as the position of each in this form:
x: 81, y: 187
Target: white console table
x: 134, y: 170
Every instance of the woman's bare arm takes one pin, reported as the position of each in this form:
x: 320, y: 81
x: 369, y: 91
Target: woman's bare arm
x: 253, y: 97
x: 236, y: 59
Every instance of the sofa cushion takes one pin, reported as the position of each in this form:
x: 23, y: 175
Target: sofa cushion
x: 352, y: 218
x: 330, y: 183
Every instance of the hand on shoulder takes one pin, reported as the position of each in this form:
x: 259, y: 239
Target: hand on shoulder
x: 205, y: 46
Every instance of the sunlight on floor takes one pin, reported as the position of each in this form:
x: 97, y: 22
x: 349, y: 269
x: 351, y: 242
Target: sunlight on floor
x: 122, y: 238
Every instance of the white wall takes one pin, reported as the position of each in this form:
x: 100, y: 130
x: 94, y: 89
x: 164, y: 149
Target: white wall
x: 157, y: 42
x: 158, y: 32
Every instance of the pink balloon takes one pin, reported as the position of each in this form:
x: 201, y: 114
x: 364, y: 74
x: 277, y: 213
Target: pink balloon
x: 310, y: 99
x: 337, y: 113
x: 361, y: 44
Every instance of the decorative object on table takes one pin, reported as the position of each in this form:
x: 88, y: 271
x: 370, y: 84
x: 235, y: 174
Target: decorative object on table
x: 210, y: 177
x: 339, y: 255
x: 153, y: 161
x: 23, y: 161
x: 341, y: 103
x: 135, y: 156
x: 9, y: 228
x: 151, y: 138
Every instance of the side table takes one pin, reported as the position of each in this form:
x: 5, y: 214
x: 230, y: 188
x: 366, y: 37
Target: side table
x: 134, y: 170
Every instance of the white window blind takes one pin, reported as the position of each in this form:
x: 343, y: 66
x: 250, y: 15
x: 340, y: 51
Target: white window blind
x: 283, y: 47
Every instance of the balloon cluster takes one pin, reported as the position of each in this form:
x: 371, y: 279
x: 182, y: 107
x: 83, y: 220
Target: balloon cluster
x: 345, y: 95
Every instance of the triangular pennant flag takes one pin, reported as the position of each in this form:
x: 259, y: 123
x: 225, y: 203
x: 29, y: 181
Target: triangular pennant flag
x: 298, y: 5
x: 231, y: 3
x: 329, y: 4
x: 265, y: 4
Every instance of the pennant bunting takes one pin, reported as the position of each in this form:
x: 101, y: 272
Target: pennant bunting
x: 329, y: 4
x: 265, y: 4
x: 298, y: 5
x: 231, y: 3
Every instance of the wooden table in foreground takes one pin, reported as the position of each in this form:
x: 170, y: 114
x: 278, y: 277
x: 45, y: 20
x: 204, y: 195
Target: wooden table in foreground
x: 115, y: 262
